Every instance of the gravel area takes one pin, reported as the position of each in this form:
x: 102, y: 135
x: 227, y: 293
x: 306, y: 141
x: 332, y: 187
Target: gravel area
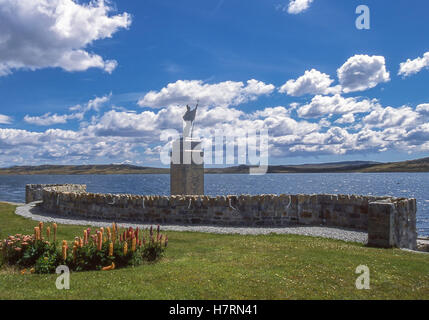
x: 33, y: 212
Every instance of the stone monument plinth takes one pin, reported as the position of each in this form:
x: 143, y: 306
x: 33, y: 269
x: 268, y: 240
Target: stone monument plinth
x: 187, y: 167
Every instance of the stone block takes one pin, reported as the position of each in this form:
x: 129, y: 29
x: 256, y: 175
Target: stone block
x: 380, y: 225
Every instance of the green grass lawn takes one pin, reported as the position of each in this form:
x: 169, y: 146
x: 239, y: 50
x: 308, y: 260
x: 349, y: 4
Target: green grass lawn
x: 210, y: 266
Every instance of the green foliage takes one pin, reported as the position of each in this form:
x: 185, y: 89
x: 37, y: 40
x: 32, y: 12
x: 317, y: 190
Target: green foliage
x: 88, y: 257
x: 23, y: 250
x: 49, y: 261
x: 153, y: 250
x: 93, y: 253
x: 222, y: 266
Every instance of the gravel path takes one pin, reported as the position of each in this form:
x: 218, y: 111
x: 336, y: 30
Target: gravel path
x: 33, y: 212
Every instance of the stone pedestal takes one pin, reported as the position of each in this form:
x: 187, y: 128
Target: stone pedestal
x: 187, y: 168
x: 381, y: 225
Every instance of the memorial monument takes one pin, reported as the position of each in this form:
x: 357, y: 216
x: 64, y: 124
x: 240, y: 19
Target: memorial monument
x: 187, y: 160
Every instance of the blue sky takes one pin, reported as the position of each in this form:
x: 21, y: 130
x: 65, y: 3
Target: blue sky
x: 74, y: 82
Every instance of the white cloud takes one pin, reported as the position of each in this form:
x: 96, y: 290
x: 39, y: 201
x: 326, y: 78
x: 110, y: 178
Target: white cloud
x: 423, y: 108
x: 389, y: 117
x: 5, y: 119
x: 93, y: 104
x: 329, y: 105
x: 221, y: 94
x: 347, y: 118
x: 39, y: 34
x: 411, y: 67
x: 49, y: 119
x: 120, y: 136
x: 312, y: 82
x: 298, y: 6
x: 362, y: 72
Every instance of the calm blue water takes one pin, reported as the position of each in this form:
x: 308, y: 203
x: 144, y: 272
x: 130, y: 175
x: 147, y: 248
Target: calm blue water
x: 415, y: 185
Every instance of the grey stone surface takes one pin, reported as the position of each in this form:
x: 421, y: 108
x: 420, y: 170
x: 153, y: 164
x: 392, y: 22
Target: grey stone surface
x: 393, y: 220
x: 34, y: 192
x: 35, y: 212
x: 186, y: 174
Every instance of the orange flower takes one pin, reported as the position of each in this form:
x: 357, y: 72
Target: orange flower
x: 74, y: 252
x: 55, y: 231
x: 41, y: 226
x: 85, y: 237
x: 65, y: 247
x: 23, y: 271
x: 133, y: 246
x: 99, y: 240
x: 48, y: 233
x: 113, y: 232
x: 110, y: 249
x: 111, y: 267
x: 125, y: 248
x: 36, y: 233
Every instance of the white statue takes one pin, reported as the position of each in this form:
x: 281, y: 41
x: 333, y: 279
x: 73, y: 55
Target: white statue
x: 189, y: 118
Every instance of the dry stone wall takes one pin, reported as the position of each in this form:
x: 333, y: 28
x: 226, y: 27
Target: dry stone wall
x: 33, y: 192
x: 389, y: 221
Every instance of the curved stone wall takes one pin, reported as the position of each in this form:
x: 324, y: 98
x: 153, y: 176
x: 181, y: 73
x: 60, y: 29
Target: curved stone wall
x: 389, y: 221
x: 33, y: 192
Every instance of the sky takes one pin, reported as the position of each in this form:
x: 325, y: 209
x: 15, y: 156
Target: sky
x: 99, y: 82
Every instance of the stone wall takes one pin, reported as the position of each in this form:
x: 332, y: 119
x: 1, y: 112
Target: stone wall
x: 389, y: 221
x: 33, y: 192
x: 392, y: 223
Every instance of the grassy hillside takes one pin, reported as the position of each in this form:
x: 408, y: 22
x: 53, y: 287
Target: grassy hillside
x: 82, y: 169
x: 420, y: 165
x: 213, y: 266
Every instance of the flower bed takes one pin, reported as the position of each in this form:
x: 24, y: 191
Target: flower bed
x: 104, y: 249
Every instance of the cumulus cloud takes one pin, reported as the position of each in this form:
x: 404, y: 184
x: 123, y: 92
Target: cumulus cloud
x: 312, y: 82
x: 121, y: 135
x: 298, y: 6
x: 39, y: 34
x: 347, y: 118
x: 5, y: 119
x: 390, y: 117
x: 93, y: 104
x: 329, y: 105
x: 362, y: 72
x: 411, y: 67
x: 326, y: 125
x: 220, y: 94
x: 49, y: 119
x: 423, y: 108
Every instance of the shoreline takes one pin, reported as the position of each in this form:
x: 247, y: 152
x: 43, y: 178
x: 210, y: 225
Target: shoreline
x: 167, y: 173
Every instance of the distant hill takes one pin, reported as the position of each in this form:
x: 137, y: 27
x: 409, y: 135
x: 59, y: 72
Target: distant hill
x: 82, y: 169
x: 419, y: 165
